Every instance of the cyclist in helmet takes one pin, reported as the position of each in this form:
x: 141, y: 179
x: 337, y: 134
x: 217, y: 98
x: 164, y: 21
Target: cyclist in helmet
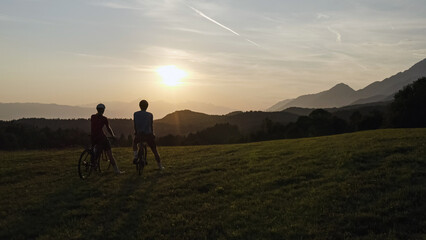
x: 98, y: 137
x: 144, y: 132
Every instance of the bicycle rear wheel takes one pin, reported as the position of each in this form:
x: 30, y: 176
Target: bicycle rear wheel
x: 85, y: 164
x: 103, y: 162
x: 141, y: 160
x: 141, y: 165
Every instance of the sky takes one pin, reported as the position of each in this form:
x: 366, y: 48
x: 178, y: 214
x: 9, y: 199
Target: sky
x: 242, y: 54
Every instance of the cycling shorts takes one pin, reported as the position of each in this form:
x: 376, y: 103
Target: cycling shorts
x: 102, y: 143
x: 148, y: 138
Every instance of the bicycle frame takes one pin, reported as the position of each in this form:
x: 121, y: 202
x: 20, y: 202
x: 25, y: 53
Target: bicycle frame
x: 142, y: 152
x: 91, y: 159
x: 97, y: 157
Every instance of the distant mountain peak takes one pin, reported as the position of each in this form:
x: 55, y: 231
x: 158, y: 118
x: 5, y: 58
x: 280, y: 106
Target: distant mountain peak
x: 184, y: 111
x: 340, y: 87
x: 183, y: 114
x: 419, y: 66
x: 341, y: 94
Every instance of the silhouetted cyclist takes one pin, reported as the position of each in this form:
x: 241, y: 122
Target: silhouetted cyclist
x: 99, y: 140
x: 144, y: 132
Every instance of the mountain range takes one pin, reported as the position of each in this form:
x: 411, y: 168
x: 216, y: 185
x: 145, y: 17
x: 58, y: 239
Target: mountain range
x: 11, y: 111
x: 343, y: 95
x: 337, y: 96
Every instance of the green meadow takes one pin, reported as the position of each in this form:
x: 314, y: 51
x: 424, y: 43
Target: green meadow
x: 364, y: 185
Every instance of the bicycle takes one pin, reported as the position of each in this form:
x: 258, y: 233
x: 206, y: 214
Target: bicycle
x: 89, y: 160
x: 141, y: 162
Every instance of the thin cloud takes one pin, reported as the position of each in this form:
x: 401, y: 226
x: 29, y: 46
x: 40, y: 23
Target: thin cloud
x: 338, y: 35
x: 190, y: 30
x: 102, y: 58
x: 6, y: 18
x: 221, y: 25
x: 88, y: 55
x: 322, y: 16
x: 116, y: 5
x: 126, y: 67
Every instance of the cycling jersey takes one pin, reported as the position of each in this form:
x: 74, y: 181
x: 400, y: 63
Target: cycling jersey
x: 143, y: 122
x: 97, y: 123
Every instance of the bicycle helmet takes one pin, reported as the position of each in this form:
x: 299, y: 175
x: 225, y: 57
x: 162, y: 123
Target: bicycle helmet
x: 100, y: 106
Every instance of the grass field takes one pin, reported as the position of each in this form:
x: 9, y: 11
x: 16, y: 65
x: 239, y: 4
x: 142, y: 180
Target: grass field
x: 365, y: 185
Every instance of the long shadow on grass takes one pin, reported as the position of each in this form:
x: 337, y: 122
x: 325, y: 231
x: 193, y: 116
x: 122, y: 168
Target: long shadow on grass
x: 133, y: 222
x: 72, y: 210
x: 122, y: 214
x: 48, y: 213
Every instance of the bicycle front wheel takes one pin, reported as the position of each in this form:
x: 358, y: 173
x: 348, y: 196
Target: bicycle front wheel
x: 85, y: 164
x: 141, y: 160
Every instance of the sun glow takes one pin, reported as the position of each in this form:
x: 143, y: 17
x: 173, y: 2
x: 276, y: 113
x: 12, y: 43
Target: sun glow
x: 171, y: 75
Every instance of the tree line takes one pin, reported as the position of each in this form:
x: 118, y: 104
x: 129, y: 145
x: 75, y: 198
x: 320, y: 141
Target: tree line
x: 15, y: 135
x: 408, y: 109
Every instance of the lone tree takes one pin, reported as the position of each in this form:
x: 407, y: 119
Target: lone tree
x: 409, y: 106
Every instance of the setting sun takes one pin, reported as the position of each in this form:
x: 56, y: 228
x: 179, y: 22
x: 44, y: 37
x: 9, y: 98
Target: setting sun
x: 171, y: 75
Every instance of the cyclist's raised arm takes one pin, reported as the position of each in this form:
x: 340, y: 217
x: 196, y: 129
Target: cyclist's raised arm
x: 152, y: 123
x: 134, y: 123
x: 109, y: 129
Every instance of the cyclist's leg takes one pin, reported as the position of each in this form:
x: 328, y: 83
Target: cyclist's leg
x: 136, y: 141
x: 97, y: 150
x: 151, y: 143
x: 108, y: 151
x: 112, y: 160
x: 154, y: 150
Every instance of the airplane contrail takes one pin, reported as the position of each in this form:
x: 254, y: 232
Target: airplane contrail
x: 221, y: 25
x: 250, y: 41
x: 208, y: 18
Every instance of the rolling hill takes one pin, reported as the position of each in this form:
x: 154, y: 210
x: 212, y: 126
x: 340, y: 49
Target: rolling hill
x: 341, y: 94
x: 346, y: 111
x: 177, y: 123
x: 186, y: 121
x: 364, y: 185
